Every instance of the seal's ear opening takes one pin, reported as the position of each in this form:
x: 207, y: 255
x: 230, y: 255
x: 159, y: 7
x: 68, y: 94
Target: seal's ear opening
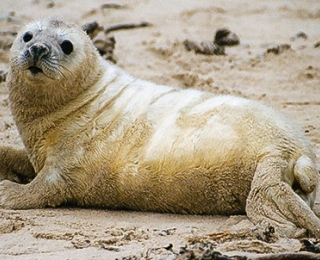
x: 67, y: 47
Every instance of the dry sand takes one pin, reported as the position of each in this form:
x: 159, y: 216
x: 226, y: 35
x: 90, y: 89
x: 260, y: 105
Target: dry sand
x: 288, y: 81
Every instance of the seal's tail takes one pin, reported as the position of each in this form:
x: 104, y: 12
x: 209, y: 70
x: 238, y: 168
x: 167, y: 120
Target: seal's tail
x: 306, y: 176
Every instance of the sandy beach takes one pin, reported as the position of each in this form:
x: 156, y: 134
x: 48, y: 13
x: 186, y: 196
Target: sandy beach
x: 276, y: 63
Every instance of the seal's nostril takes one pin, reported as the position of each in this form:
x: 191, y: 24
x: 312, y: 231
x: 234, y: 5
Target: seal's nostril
x: 38, y: 51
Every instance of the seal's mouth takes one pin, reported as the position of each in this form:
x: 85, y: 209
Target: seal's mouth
x: 35, y: 70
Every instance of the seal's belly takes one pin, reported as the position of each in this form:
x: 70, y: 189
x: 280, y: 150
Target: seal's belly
x: 171, y: 151
x: 179, y: 161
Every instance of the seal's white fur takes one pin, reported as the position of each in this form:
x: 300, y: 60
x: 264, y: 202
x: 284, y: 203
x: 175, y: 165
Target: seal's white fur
x: 99, y: 137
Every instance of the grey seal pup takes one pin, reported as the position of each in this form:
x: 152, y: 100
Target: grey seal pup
x: 94, y: 136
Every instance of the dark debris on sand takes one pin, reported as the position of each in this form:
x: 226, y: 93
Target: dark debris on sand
x: 223, y: 37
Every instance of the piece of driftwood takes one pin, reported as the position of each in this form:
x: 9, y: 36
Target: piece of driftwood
x: 112, y: 6
x: 106, y: 47
x: 278, y: 49
x: 207, y: 48
x: 126, y: 26
x: 223, y: 37
x: 92, y: 29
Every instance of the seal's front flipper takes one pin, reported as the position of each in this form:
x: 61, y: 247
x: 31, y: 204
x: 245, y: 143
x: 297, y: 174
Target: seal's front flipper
x: 272, y: 201
x: 15, y: 165
x: 48, y: 188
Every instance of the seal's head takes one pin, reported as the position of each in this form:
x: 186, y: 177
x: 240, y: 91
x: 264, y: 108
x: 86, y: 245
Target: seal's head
x: 52, y: 50
x: 51, y: 63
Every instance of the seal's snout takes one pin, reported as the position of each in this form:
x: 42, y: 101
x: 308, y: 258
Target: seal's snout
x: 38, y: 51
x: 37, y: 54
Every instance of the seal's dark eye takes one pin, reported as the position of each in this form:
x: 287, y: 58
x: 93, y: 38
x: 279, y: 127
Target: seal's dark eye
x: 66, y: 47
x: 27, y: 36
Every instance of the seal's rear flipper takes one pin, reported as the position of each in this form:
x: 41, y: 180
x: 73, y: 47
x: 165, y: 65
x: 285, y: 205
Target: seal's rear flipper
x: 273, y: 201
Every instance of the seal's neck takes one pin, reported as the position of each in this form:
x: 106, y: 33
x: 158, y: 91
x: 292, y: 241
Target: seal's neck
x: 34, y: 99
x: 37, y: 105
